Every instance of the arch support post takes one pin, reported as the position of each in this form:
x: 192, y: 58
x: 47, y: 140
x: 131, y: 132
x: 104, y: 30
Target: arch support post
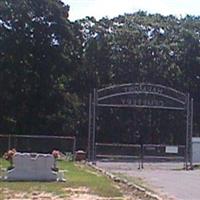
x: 94, y: 104
x: 89, y: 152
x: 189, y: 133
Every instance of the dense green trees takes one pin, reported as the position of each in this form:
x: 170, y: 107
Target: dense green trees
x: 49, y: 65
x: 40, y: 50
x: 143, y: 48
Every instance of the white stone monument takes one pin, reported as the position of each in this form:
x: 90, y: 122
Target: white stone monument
x: 32, y: 167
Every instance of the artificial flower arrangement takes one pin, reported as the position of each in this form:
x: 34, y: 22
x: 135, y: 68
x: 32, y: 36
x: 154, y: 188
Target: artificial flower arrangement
x: 56, y: 155
x: 9, y: 157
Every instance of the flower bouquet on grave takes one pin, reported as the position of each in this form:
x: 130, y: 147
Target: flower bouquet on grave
x: 56, y: 155
x: 9, y: 157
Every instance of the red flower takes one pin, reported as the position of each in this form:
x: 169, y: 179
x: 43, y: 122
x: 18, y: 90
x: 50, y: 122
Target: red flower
x: 9, y: 154
x: 55, y: 153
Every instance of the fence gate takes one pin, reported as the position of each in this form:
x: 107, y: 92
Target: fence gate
x: 140, y: 95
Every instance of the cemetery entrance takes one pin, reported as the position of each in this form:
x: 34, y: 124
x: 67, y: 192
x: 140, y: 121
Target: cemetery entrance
x: 142, y: 95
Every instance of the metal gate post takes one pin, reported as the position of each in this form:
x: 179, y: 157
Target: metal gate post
x: 94, y: 127
x: 89, y: 128
x: 187, y: 131
x: 191, y: 133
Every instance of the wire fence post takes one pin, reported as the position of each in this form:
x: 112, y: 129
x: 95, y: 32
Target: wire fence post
x: 187, y: 131
x: 74, y: 149
x: 9, y: 141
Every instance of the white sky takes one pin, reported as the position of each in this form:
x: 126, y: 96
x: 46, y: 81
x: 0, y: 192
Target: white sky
x: 111, y: 8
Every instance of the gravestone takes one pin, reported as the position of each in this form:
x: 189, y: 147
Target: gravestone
x: 32, y: 167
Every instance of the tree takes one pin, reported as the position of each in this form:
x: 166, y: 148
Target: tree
x: 49, y: 66
x: 40, y: 51
x: 140, y: 47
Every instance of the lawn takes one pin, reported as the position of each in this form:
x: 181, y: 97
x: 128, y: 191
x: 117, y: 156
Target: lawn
x: 77, y: 176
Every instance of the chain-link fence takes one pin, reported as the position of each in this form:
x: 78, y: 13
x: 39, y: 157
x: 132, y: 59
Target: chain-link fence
x: 37, y: 143
x: 131, y: 152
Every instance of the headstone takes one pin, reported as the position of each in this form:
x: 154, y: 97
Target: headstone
x: 32, y: 167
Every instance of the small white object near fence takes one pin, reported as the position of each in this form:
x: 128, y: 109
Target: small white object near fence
x: 196, y: 150
x: 171, y: 149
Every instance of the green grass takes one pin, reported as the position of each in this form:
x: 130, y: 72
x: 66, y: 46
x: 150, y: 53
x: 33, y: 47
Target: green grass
x: 82, y: 175
x: 4, y: 163
x: 77, y: 175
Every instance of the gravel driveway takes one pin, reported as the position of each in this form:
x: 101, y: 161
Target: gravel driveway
x: 165, y: 179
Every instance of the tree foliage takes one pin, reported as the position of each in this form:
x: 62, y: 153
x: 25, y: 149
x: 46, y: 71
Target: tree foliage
x: 39, y: 54
x: 49, y: 66
x: 147, y: 48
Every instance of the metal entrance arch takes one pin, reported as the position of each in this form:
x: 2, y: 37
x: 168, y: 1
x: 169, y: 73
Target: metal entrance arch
x: 140, y: 95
